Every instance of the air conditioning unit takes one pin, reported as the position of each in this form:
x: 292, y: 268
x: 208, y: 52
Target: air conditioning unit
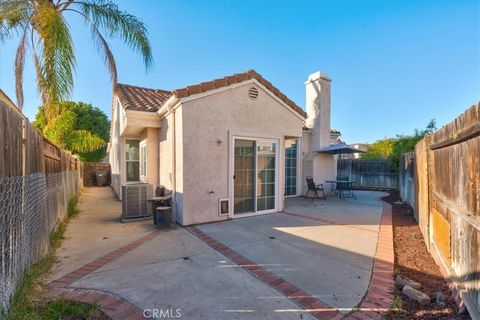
x: 134, y: 201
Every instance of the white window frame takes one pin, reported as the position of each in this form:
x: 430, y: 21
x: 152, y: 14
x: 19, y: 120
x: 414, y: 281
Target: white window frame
x: 143, y: 158
x: 126, y: 161
x: 297, y: 155
x: 278, y: 159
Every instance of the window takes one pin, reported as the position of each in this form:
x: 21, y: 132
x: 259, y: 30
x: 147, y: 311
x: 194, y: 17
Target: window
x: 143, y: 161
x: 132, y: 160
x: 291, y: 167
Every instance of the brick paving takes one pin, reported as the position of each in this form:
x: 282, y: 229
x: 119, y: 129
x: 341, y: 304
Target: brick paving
x: 374, y: 305
x: 312, y: 305
x: 379, y: 295
x: 112, y: 305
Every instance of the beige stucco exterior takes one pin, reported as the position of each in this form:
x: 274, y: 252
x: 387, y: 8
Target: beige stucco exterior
x: 190, y: 145
x: 141, y: 126
x: 210, y: 124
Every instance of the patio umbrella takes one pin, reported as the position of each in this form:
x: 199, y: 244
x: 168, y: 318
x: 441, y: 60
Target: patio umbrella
x: 340, y: 148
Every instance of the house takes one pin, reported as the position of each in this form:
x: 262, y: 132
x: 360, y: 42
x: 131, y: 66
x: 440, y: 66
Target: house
x: 235, y: 145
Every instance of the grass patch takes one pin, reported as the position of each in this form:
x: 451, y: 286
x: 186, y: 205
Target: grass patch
x: 29, y: 301
x: 68, y: 309
x: 397, y: 310
x: 72, y: 209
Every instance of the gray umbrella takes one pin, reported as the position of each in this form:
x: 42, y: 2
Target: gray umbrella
x: 340, y: 148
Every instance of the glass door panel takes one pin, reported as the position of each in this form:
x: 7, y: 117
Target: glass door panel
x: 244, y: 173
x: 290, y: 167
x: 266, y: 168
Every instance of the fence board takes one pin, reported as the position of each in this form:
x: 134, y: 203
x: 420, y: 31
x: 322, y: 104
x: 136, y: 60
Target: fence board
x: 448, y: 201
x: 37, y: 179
x: 10, y: 141
x: 374, y: 174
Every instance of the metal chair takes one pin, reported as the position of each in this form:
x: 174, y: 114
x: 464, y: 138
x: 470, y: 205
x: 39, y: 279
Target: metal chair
x: 315, y: 188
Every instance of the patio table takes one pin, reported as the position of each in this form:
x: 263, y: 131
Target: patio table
x: 346, y: 189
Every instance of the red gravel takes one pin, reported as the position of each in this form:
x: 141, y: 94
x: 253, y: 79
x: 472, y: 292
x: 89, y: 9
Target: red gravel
x: 413, y: 261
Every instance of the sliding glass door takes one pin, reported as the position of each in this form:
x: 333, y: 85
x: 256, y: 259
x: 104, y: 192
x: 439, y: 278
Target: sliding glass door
x: 266, y: 172
x: 255, y: 175
x: 290, y: 167
x: 244, y: 176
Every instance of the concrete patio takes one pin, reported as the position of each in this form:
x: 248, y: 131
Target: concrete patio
x: 325, y: 248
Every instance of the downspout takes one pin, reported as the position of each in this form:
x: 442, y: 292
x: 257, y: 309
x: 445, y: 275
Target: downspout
x: 174, y: 168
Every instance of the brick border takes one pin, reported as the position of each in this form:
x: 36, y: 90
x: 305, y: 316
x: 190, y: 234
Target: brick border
x: 380, y: 293
x: 115, y: 307
x: 307, y: 302
x: 112, y: 305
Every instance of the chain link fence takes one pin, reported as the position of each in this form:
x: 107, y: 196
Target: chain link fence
x: 30, y: 208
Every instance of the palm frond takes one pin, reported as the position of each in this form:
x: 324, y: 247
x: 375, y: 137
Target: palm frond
x: 105, y: 51
x: 19, y: 65
x: 81, y: 141
x: 41, y: 82
x: 57, y: 59
x: 14, y: 15
x: 106, y: 16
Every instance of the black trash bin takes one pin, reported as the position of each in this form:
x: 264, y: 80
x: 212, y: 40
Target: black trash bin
x: 163, y: 215
x: 101, y: 178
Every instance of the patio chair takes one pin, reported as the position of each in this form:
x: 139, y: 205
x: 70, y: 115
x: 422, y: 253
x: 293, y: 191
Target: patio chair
x: 315, y: 188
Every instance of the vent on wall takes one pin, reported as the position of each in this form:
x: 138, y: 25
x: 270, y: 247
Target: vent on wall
x: 253, y: 93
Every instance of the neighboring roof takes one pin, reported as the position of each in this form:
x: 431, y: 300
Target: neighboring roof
x: 139, y: 98
x: 144, y: 99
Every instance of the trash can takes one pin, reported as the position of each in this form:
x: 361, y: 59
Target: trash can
x: 163, y: 214
x: 101, y: 178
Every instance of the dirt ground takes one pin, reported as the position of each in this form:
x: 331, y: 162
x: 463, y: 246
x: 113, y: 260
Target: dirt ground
x: 413, y: 261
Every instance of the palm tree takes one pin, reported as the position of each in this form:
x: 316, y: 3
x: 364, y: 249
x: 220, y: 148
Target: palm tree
x: 43, y: 29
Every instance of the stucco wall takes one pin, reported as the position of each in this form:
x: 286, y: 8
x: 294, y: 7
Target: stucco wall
x: 171, y: 159
x: 208, y: 123
x: 115, y: 149
x: 321, y: 167
x: 150, y: 136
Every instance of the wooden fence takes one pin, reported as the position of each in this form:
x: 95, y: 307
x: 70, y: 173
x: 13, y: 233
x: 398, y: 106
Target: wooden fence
x: 24, y: 150
x: 368, y: 174
x: 37, y: 181
x: 407, y: 178
x: 90, y: 168
x: 447, y: 202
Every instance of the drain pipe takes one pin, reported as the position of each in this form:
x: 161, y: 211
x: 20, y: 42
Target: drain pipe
x: 170, y: 107
x: 174, y: 165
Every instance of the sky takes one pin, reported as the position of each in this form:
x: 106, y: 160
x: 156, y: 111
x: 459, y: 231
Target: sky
x: 394, y: 64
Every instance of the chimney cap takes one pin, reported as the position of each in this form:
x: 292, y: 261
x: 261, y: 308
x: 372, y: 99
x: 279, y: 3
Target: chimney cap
x: 318, y: 76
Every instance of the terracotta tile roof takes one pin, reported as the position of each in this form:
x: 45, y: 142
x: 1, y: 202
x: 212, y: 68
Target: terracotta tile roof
x: 140, y: 99
x: 236, y: 78
x: 144, y: 99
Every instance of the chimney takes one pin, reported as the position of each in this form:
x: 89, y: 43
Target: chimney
x: 318, y: 109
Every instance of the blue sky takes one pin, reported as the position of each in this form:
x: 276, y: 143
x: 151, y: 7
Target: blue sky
x: 395, y: 64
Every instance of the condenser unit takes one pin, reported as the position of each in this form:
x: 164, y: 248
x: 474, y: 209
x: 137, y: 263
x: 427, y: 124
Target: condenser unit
x: 134, y: 201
